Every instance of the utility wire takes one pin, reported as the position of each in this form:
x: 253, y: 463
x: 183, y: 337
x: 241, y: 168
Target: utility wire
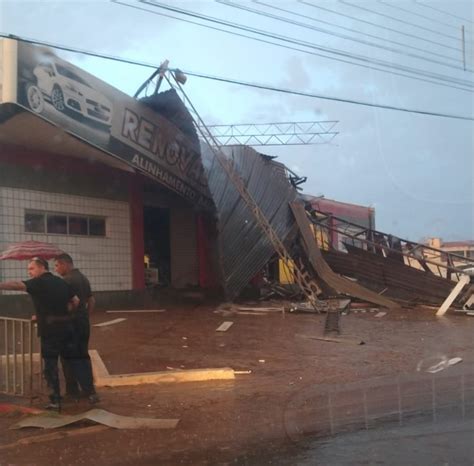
x: 397, y: 7
x: 397, y: 31
x: 398, y: 20
x: 288, y: 47
x: 342, y: 53
x: 336, y: 99
x: 444, y: 12
x: 342, y: 36
x: 234, y: 81
x: 373, y: 36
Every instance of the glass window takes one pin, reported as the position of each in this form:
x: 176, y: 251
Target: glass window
x: 34, y: 222
x: 69, y: 73
x: 77, y: 225
x: 57, y: 224
x: 96, y: 226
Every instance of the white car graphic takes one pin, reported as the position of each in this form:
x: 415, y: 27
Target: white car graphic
x: 66, y: 90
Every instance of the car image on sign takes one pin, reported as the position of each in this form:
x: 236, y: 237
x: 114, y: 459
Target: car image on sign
x: 67, y: 92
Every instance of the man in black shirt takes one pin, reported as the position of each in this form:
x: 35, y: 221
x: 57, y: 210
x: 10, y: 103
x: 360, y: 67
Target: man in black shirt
x: 54, y: 300
x: 64, y: 266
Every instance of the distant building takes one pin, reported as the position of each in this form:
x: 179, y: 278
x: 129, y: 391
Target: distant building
x: 361, y: 216
x: 464, y: 249
x: 460, y: 248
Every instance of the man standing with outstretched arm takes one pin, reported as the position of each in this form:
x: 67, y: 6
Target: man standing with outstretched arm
x: 64, y: 266
x: 54, y: 301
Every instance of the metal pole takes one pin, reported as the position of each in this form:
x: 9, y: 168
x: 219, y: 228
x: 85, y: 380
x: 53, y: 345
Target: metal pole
x: 14, y: 355
x: 7, y: 358
x: 22, y: 349
x: 30, y: 347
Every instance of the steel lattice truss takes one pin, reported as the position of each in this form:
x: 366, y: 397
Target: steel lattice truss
x: 275, y: 134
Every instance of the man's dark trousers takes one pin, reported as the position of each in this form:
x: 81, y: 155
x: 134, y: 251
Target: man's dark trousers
x: 85, y: 380
x: 60, y: 343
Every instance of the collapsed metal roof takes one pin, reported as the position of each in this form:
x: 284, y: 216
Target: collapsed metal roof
x: 244, y: 248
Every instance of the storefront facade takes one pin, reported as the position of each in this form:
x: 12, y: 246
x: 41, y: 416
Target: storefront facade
x: 101, y: 176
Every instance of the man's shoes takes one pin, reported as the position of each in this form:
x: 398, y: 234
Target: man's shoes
x: 53, y: 406
x: 93, y: 399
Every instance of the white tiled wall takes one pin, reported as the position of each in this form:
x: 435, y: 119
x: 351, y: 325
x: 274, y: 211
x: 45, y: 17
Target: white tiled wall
x: 105, y: 261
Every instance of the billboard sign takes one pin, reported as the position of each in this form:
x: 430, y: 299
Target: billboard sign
x: 108, y: 119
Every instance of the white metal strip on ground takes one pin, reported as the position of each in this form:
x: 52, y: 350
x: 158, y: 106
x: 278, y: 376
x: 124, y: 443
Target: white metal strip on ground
x: 110, y: 322
x: 224, y: 326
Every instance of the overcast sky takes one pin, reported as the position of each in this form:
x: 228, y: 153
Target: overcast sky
x: 416, y: 170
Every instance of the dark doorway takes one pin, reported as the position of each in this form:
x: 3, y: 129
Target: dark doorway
x: 157, y: 245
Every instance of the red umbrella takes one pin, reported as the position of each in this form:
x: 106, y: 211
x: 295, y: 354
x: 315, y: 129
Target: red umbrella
x: 29, y: 249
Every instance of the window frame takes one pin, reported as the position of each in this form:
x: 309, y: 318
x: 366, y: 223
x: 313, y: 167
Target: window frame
x: 46, y: 213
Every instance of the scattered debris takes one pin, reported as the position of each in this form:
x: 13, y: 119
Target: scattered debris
x: 443, y: 365
x: 242, y: 372
x: 464, y: 280
x: 136, y: 310
x: 334, y: 340
x: 363, y: 311
x: 110, y: 322
x: 99, y: 416
x: 470, y: 313
x: 261, y: 309
x: 261, y: 360
x: 380, y: 314
x: 224, y: 326
x: 273, y: 289
x: 302, y: 307
x: 468, y: 305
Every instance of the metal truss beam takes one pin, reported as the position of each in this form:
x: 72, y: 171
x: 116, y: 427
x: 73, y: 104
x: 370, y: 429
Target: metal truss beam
x: 275, y: 134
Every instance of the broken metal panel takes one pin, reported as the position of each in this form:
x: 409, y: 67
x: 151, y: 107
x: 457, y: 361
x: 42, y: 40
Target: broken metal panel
x: 100, y: 416
x: 325, y: 273
x: 244, y: 248
x: 396, y: 280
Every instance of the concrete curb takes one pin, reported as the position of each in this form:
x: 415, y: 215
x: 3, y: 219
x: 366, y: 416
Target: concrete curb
x: 102, y: 377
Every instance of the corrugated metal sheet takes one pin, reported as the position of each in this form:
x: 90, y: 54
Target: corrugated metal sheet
x: 399, y: 281
x: 244, y: 248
